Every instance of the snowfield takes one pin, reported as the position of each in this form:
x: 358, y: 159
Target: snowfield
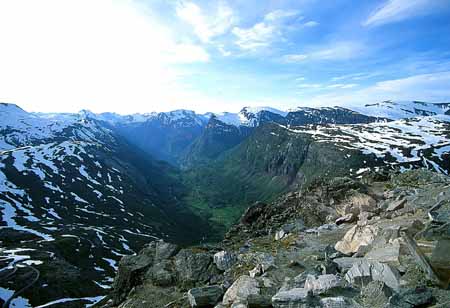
x: 396, y: 142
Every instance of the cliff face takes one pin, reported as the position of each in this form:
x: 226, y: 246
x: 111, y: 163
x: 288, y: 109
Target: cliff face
x: 381, y: 241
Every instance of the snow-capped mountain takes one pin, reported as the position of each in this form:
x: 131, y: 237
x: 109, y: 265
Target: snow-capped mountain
x: 250, y: 116
x: 402, y: 109
x: 75, y: 197
x: 80, y: 190
x: 404, y: 143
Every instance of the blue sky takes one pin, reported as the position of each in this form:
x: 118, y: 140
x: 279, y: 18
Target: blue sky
x: 146, y: 55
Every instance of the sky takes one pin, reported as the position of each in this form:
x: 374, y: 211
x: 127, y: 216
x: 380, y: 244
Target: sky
x: 220, y: 55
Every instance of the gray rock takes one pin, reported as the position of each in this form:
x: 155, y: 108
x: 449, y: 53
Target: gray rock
x: 192, y: 268
x: 440, y: 212
x: 345, y: 263
x: 164, y: 251
x: 224, y: 260
x: 336, y: 302
x: 355, y: 237
x: 160, y: 274
x: 205, y: 296
x: 241, y: 289
x: 390, y: 253
x: 298, y: 297
x: 130, y: 269
x: 365, y: 271
x: 259, y: 301
x: 396, y: 205
x: 323, y: 283
x: 440, y: 260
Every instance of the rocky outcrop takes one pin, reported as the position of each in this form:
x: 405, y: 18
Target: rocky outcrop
x: 364, y: 271
x: 377, y: 259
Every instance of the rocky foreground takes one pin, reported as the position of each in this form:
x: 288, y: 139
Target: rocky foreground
x: 380, y: 241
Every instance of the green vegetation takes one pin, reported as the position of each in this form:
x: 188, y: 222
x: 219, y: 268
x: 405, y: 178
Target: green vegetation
x: 268, y: 163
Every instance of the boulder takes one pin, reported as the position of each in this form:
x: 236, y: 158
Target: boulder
x: 365, y: 271
x: 241, y: 289
x: 389, y: 253
x: 192, y: 268
x: 224, y: 260
x: 440, y: 260
x: 164, y: 251
x: 130, y: 269
x: 323, y: 283
x: 345, y: 263
x: 396, y: 205
x: 355, y: 237
x: 298, y: 297
x: 160, y: 274
x: 440, y: 212
x: 205, y: 296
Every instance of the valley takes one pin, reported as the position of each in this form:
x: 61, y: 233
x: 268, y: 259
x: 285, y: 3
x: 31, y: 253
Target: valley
x: 80, y: 191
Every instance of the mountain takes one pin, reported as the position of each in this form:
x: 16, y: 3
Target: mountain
x: 327, y: 115
x: 80, y: 190
x: 226, y: 130
x: 402, y: 109
x: 75, y: 197
x: 252, y: 116
x: 163, y: 135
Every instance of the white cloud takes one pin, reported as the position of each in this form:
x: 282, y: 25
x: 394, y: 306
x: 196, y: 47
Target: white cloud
x: 103, y: 55
x: 263, y: 34
x: 343, y: 85
x: 397, y: 10
x: 343, y: 50
x: 280, y: 14
x: 335, y: 51
x: 294, y: 58
x: 310, y: 86
x: 209, y: 25
x: 356, y: 76
x: 260, y: 35
x: 311, y: 24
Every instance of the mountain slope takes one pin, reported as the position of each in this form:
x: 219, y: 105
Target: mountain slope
x: 75, y: 201
x: 276, y: 158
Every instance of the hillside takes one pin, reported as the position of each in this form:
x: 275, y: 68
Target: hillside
x: 377, y: 242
